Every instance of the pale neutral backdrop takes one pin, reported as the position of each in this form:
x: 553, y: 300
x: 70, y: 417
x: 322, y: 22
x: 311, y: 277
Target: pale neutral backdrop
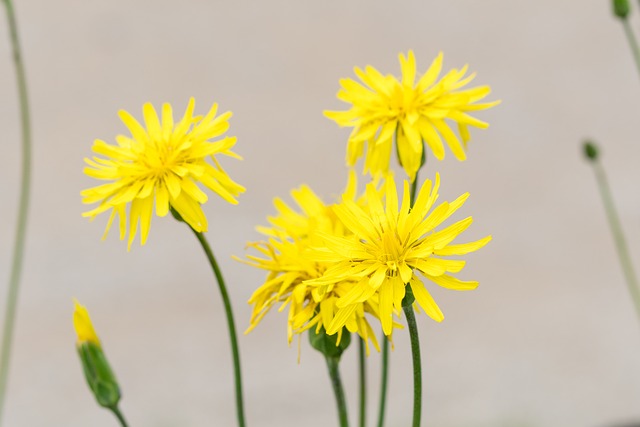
x: 549, y: 339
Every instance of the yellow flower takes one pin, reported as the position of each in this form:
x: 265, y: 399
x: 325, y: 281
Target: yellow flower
x: 389, y: 247
x: 163, y: 164
x: 83, y: 326
x: 416, y: 112
x: 288, y: 258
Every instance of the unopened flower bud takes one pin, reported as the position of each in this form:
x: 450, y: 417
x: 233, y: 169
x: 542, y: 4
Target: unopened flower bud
x: 330, y: 345
x: 97, y: 371
x: 590, y: 150
x: 621, y: 8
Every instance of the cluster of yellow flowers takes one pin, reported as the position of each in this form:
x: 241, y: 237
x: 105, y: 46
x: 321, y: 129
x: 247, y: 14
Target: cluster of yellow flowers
x: 334, y: 265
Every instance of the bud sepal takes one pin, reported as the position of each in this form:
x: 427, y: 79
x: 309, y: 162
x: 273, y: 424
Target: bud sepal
x: 99, y: 375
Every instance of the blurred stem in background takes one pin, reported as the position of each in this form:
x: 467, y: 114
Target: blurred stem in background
x: 621, y: 9
x: 23, y: 207
x: 591, y: 152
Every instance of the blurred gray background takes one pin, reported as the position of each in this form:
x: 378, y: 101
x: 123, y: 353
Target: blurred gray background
x: 549, y: 339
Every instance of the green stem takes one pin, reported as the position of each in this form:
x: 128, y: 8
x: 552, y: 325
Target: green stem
x: 417, y: 368
x: 119, y: 416
x: 336, y: 382
x: 23, y: 207
x: 633, y: 42
x: 618, y: 234
x: 363, y: 383
x: 383, y: 380
x: 414, y: 188
x: 230, y: 323
x: 385, y: 342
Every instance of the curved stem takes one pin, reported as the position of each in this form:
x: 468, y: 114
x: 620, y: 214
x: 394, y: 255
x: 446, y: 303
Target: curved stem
x: 119, y: 416
x: 230, y: 323
x: 21, y: 227
x: 336, y: 382
x: 633, y: 42
x: 417, y: 368
x: 383, y: 380
x: 618, y: 235
x: 363, y: 383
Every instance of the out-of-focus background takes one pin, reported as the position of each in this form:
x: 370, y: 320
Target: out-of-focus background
x: 549, y: 339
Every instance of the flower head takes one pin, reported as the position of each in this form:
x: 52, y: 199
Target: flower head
x: 388, y: 247
x: 414, y: 111
x: 288, y: 257
x: 83, y: 326
x: 162, y: 163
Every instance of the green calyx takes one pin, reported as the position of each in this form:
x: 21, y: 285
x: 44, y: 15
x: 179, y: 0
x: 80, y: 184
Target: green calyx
x: 408, y: 299
x: 99, y: 375
x: 175, y: 214
x: 328, y: 344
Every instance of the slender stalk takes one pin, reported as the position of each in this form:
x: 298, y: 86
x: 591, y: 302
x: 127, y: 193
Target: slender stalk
x: 384, y: 378
x: 385, y: 342
x: 363, y: 383
x: 230, y: 323
x: 336, y: 382
x: 23, y: 207
x: 119, y: 416
x: 633, y: 42
x: 618, y: 234
x: 417, y: 368
x: 414, y: 188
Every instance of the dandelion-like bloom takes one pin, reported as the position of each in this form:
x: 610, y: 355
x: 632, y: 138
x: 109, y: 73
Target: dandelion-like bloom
x: 389, y: 246
x: 288, y: 257
x: 162, y: 163
x: 415, y: 112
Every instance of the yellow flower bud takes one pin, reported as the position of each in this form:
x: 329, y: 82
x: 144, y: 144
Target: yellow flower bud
x: 83, y: 326
x: 97, y: 371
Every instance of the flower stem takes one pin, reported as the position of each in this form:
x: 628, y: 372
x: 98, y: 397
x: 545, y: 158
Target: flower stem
x: 417, y: 368
x: 119, y: 416
x: 23, y: 207
x: 336, y: 382
x: 633, y: 42
x: 363, y: 383
x: 385, y: 342
x: 618, y: 234
x: 414, y: 188
x: 230, y: 323
x: 383, y: 380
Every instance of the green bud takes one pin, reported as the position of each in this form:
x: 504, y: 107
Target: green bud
x: 621, y: 8
x: 408, y: 299
x: 328, y: 344
x: 99, y: 375
x: 590, y: 150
